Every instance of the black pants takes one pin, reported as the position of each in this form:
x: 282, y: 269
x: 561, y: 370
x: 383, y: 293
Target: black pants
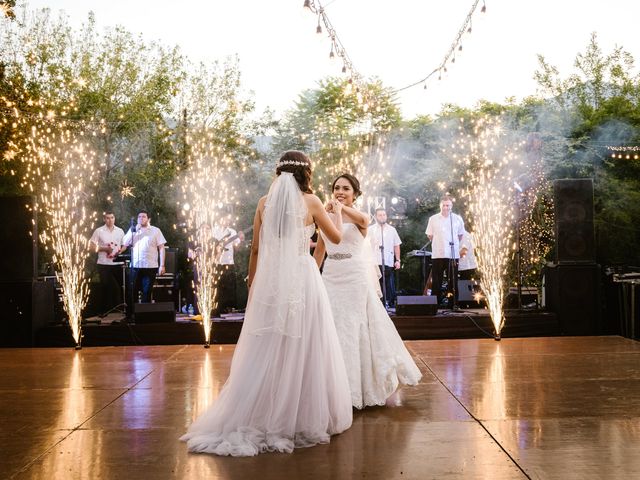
x: 438, y: 269
x: 226, y: 295
x: 110, y: 286
x: 390, y: 276
x: 142, y: 281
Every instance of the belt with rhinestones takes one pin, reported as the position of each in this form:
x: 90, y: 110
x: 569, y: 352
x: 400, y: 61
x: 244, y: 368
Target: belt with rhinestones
x: 339, y: 256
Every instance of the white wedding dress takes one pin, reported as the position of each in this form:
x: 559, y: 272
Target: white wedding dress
x: 377, y: 360
x: 288, y: 384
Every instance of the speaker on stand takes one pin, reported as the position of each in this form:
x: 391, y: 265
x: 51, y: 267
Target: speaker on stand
x: 572, y: 285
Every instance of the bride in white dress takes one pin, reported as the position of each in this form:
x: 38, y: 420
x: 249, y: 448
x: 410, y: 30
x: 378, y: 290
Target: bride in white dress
x: 288, y: 385
x: 377, y: 361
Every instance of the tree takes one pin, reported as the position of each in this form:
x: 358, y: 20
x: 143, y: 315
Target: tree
x: 594, y: 109
x: 341, y: 126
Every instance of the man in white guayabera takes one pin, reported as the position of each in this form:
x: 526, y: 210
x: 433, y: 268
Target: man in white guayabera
x: 147, y: 255
x: 445, y: 230
x: 107, y: 241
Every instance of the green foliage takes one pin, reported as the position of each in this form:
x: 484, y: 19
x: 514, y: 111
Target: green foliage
x: 138, y: 100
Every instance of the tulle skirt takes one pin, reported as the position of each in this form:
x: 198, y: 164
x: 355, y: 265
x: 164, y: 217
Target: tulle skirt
x: 282, y: 392
x: 376, y: 359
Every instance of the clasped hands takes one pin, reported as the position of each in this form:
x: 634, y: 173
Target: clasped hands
x: 333, y: 206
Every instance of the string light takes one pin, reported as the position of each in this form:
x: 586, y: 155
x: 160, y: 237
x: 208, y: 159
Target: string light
x: 450, y: 54
x: 337, y: 48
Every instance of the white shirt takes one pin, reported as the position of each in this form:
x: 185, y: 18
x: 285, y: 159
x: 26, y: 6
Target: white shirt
x: 440, y: 228
x: 391, y: 240
x: 103, y: 237
x: 227, y: 254
x: 144, y: 253
x: 468, y: 262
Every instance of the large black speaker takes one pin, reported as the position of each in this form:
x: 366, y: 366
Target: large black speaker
x: 18, y: 240
x: 165, y: 291
x: 573, y: 293
x: 575, y: 239
x: 170, y: 264
x: 25, y: 307
x: 159, y: 312
x: 416, y: 305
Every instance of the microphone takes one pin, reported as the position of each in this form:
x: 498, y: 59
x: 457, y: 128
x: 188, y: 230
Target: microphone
x: 133, y: 224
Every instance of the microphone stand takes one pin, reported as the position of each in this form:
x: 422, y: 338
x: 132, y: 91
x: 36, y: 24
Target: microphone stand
x: 452, y: 266
x: 132, y: 280
x: 519, y: 254
x: 384, y: 268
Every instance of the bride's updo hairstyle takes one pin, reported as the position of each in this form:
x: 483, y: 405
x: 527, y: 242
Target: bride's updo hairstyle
x: 299, y: 164
x: 355, y: 184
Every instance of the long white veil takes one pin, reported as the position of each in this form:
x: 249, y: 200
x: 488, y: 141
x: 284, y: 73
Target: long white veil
x: 276, y: 303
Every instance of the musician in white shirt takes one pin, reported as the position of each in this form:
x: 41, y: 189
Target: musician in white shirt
x: 386, y: 236
x: 147, y: 255
x: 229, y: 240
x: 467, y: 264
x: 107, y: 241
x: 445, y: 230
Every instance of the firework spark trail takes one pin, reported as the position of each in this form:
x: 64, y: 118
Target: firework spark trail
x: 64, y: 200
x: 60, y: 169
x: 368, y: 158
x: 207, y: 194
x: 487, y: 163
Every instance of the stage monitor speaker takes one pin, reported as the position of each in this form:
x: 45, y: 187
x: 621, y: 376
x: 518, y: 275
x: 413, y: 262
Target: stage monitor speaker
x: 573, y: 293
x: 26, y: 307
x: 467, y: 290
x: 159, y: 312
x: 18, y: 240
x: 416, y: 305
x: 573, y: 208
x: 165, y: 292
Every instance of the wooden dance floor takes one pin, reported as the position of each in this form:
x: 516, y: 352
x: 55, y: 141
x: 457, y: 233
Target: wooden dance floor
x: 548, y: 408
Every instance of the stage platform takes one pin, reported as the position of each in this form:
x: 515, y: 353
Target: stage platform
x: 542, y: 408
x: 468, y: 323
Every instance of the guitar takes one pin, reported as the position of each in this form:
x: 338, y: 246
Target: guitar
x: 224, y: 241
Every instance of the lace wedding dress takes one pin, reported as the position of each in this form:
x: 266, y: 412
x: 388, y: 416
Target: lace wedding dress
x: 288, y: 385
x: 377, y: 361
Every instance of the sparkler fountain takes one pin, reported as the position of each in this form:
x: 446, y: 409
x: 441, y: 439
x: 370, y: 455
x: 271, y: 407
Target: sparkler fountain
x: 207, y: 194
x: 487, y: 163
x: 54, y: 162
x: 64, y: 200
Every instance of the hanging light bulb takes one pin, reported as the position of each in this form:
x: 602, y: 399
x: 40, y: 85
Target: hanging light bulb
x: 453, y: 60
x: 445, y: 69
x: 484, y: 7
x: 331, y: 54
x: 469, y: 29
x: 318, y: 28
x: 460, y: 47
x: 307, y: 4
x: 425, y: 85
x: 344, y: 69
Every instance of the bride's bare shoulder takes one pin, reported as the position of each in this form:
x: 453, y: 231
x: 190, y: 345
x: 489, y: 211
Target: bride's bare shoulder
x: 312, y: 199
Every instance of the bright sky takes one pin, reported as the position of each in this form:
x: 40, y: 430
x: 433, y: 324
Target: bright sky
x: 399, y: 41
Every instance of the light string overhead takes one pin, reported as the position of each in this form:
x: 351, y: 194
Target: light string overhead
x: 337, y: 48
x: 456, y: 46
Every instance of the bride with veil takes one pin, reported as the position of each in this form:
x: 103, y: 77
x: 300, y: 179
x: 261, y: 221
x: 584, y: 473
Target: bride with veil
x: 288, y: 385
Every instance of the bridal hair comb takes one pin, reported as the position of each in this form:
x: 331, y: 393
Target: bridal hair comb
x: 281, y: 163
